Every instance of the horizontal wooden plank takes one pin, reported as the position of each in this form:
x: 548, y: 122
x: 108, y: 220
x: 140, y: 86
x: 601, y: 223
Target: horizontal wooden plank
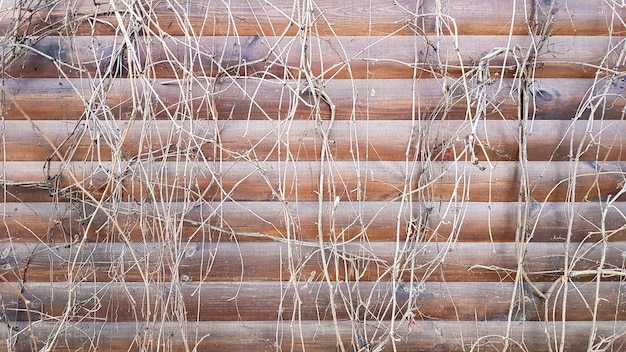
x: 274, y: 140
x: 377, y: 17
x: 481, y: 57
x: 251, y: 180
x: 226, y: 247
x: 314, y: 336
x: 268, y: 221
x: 255, y: 99
x: 299, y: 260
x: 249, y: 301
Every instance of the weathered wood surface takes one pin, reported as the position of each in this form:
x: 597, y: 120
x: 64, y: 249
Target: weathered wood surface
x: 254, y: 99
x: 250, y: 301
x: 252, y: 180
x: 332, y: 57
x: 250, y: 261
x: 259, y: 335
x: 239, y: 266
x: 273, y: 140
x: 268, y: 221
x: 376, y: 17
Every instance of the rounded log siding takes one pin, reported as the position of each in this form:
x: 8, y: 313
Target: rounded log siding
x: 268, y: 140
x: 267, y: 221
x: 593, y: 17
x: 383, y: 100
x: 186, y: 212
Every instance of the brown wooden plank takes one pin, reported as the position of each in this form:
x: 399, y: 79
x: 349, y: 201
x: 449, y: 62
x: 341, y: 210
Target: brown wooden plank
x: 248, y: 301
x: 267, y: 221
x: 315, y: 336
x: 251, y: 180
x: 377, y: 17
x: 249, y: 261
x: 41, y: 238
x: 330, y: 57
x: 271, y: 140
x: 251, y: 98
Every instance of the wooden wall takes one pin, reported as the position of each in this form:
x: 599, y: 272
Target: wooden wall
x: 320, y: 175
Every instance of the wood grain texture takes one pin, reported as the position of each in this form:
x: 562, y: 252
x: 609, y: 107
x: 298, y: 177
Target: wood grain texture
x: 330, y: 57
x: 377, y: 17
x: 273, y: 140
x: 267, y: 301
x: 311, y: 336
x: 205, y: 230
x: 268, y: 221
x: 253, y: 180
x: 254, y: 99
x: 249, y: 261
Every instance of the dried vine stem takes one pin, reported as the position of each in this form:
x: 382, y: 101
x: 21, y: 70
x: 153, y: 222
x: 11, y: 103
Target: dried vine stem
x: 152, y: 185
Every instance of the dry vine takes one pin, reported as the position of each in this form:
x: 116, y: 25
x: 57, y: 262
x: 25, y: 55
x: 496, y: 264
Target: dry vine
x: 150, y: 181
